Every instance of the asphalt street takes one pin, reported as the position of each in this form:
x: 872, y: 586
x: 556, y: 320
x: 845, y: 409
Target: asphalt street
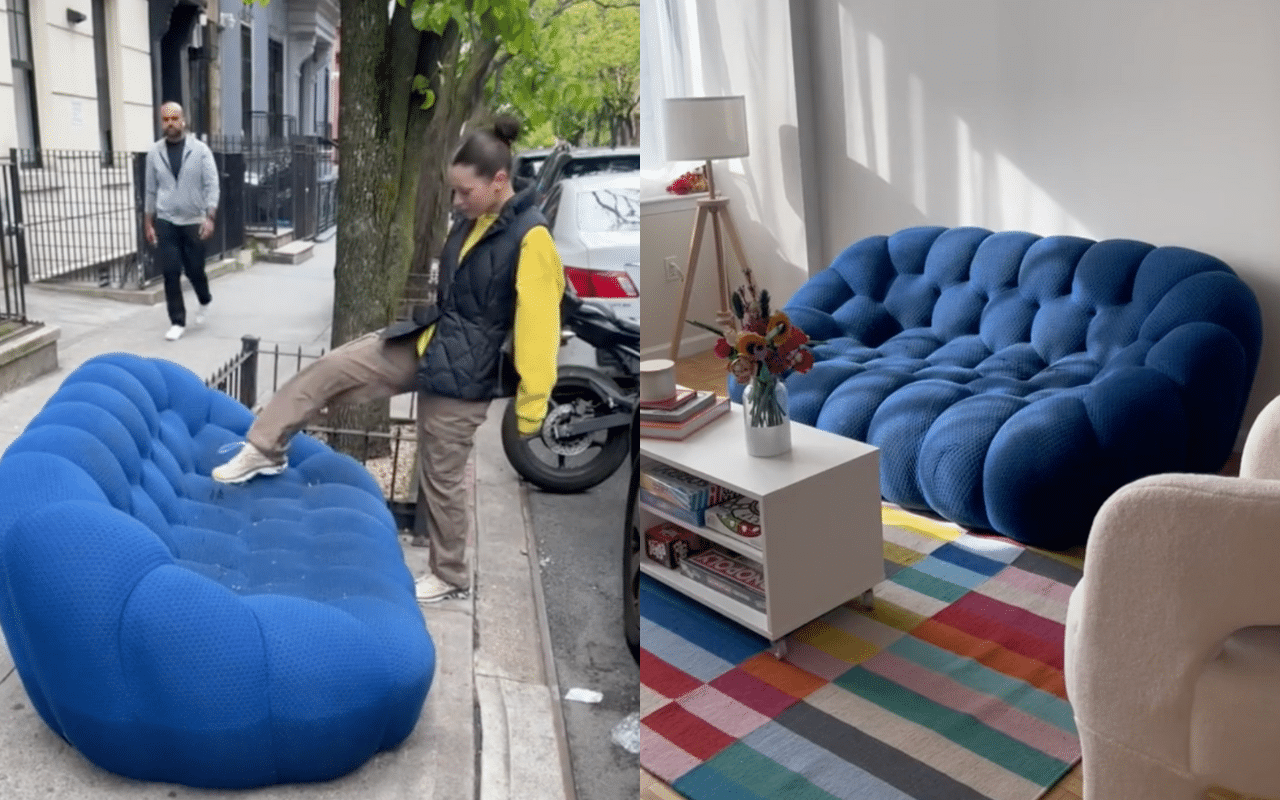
x: 579, y: 539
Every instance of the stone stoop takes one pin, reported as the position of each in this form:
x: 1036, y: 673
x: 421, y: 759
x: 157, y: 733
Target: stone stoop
x: 269, y: 240
x: 294, y: 252
x: 27, y: 355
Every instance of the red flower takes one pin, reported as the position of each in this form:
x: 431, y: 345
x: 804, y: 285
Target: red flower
x: 723, y: 349
x: 802, y: 360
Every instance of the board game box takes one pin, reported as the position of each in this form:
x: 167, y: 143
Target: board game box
x: 679, y: 488
x: 668, y: 544
x: 730, y: 574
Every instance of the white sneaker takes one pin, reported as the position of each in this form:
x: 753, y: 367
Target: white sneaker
x: 175, y: 333
x: 432, y: 590
x: 250, y: 462
x: 203, y: 313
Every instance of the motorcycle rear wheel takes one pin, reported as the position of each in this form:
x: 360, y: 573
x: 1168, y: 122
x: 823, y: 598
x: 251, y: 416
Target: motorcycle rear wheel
x: 570, y: 466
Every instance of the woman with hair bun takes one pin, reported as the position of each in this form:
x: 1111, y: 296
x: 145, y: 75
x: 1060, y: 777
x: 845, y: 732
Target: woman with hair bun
x: 500, y: 278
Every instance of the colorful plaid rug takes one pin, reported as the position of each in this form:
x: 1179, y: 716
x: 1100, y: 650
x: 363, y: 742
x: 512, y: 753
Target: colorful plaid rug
x: 951, y: 689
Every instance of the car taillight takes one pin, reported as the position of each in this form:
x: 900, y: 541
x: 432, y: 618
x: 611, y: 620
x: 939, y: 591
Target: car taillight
x: 601, y: 282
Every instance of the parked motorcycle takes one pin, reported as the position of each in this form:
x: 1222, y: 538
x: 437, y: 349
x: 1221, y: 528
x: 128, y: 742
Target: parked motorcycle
x: 586, y: 433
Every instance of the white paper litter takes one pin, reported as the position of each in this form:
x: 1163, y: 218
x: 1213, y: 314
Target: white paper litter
x: 584, y: 696
x: 626, y: 734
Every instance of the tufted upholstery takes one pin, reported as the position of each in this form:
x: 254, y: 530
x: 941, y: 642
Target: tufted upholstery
x: 175, y: 629
x: 1013, y: 381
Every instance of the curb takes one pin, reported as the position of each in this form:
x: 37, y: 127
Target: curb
x: 544, y: 634
x: 522, y: 734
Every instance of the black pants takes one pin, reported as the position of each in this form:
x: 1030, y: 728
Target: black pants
x: 179, y: 249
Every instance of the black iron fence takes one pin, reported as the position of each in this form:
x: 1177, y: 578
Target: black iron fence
x: 76, y: 216
x: 290, y: 184
x: 12, y: 250
x: 256, y: 373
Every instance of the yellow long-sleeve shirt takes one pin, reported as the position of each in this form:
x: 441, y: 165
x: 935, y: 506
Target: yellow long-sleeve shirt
x: 536, y: 340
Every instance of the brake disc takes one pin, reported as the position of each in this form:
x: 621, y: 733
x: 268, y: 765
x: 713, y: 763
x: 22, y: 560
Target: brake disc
x: 562, y: 414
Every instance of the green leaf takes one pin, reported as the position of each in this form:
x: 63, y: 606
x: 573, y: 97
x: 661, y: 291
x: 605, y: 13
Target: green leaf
x: 428, y: 100
x: 420, y: 14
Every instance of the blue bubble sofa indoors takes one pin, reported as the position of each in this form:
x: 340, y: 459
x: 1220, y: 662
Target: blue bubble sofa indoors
x: 174, y: 629
x: 1013, y: 382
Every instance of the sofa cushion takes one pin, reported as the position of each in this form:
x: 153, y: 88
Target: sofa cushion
x: 1013, y: 381
x: 175, y: 629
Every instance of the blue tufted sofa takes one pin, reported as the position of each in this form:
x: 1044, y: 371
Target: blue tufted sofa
x: 174, y: 629
x: 1012, y: 382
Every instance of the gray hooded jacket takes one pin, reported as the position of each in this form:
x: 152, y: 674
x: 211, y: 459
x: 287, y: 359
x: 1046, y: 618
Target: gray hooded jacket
x: 186, y: 199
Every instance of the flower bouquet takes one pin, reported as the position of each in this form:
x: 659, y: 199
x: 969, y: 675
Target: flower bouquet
x: 760, y: 346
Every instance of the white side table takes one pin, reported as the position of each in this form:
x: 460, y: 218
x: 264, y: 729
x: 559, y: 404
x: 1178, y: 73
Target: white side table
x: 821, y: 540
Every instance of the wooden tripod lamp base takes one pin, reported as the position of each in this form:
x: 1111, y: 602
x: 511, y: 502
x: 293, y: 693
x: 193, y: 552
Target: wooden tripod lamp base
x: 717, y: 210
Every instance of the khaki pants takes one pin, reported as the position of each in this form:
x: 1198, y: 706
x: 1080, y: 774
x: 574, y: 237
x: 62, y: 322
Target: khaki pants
x: 372, y: 368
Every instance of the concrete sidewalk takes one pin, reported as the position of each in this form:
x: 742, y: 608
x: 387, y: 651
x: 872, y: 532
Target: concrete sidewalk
x: 491, y: 727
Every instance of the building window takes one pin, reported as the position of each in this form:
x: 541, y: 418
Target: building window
x: 275, y: 88
x: 24, y: 81
x: 104, y: 82
x: 246, y: 81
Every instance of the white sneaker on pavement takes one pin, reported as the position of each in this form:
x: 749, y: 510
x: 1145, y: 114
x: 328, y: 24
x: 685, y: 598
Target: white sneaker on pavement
x: 250, y: 462
x: 175, y: 333
x: 203, y: 313
x: 432, y: 590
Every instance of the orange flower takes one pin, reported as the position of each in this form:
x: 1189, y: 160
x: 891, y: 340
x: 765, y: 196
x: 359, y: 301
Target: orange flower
x: 753, y: 346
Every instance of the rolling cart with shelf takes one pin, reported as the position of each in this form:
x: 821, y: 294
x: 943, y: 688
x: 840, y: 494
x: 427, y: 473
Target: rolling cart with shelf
x: 821, y: 538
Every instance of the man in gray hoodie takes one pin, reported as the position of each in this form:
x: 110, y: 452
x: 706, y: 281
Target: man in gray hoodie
x: 180, y: 206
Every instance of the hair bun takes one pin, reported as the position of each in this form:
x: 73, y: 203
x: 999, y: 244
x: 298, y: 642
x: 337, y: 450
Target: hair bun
x: 506, y: 129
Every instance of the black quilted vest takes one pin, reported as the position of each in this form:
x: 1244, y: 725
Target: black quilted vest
x: 477, y: 306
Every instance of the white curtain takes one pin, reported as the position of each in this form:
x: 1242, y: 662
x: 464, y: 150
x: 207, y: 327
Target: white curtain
x: 694, y: 48
x: 664, y: 65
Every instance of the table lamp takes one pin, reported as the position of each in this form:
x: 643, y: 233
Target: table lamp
x: 707, y: 128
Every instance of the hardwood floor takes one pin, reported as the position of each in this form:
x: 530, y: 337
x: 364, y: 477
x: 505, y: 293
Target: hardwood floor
x: 705, y: 371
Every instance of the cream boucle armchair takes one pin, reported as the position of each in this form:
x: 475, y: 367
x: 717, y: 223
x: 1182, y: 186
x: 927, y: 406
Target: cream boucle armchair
x: 1173, y: 634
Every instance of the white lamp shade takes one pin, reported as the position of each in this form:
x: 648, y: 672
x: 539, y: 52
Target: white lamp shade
x: 701, y: 128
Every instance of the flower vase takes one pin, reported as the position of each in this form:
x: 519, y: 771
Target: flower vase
x: 765, y: 416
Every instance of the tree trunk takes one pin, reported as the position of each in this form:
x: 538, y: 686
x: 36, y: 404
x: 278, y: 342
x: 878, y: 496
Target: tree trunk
x: 458, y: 102
x: 382, y: 154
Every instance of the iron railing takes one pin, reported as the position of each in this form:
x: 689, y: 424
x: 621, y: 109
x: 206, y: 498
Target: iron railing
x: 290, y: 184
x: 78, y: 216
x: 244, y: 376
x: 12, y: 248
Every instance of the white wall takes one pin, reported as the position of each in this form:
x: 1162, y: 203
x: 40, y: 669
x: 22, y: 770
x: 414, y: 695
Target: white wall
x: 68, y: 102
x: 8, y: 125
x: 1156, y: 120
x: 129, y: 61
x: 66, y: 88
x: 739, y: 47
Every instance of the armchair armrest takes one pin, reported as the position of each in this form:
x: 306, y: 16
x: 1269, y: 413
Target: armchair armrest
x: 1261, y: 457
x: 1175, y: 565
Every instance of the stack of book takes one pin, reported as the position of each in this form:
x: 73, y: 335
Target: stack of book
x: 679, y: 416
